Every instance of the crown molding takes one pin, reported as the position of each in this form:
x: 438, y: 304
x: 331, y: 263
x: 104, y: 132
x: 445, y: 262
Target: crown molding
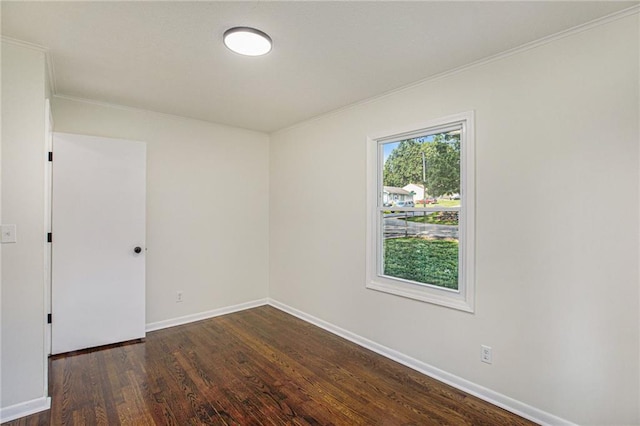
x: 50, y: 72
x: 633, y: 10
x: 151, y: 112
x: 25, y: 44
x: 47, y: 57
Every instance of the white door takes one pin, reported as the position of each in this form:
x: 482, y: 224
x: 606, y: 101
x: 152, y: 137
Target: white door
x: 98, y: 242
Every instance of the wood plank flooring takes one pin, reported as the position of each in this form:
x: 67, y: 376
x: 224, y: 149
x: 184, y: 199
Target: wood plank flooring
x: 256, y: 367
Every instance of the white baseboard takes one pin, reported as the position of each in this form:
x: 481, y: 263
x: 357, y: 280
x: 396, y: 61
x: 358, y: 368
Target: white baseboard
x: 495, y: 398
x: 517, y: 407
x: 204, y: 315
x: 23, y: 409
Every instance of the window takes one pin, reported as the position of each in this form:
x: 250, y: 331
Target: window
x: 420, y: 235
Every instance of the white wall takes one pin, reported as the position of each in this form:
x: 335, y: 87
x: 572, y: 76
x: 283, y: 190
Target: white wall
x: 557, y: 225
x: 207, y: 205
x: 23, y: 158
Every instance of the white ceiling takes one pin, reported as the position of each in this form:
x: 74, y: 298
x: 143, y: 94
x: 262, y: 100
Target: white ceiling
x: 169, y: 57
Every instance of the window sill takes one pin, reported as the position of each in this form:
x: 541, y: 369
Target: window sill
x: 448, y: 299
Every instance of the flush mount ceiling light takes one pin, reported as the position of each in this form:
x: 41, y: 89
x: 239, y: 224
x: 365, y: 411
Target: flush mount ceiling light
x: 247, y: 41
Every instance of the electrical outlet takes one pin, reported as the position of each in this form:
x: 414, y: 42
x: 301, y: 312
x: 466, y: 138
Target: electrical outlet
x: 179, y: 297
x: 485, y: 354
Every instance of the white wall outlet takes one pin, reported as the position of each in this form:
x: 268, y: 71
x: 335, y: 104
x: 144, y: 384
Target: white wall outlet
x: 9, y: 234
x: 179, y: 297
x: 485, y: 354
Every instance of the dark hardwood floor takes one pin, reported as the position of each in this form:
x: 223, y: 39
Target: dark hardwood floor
x: 255, y: 367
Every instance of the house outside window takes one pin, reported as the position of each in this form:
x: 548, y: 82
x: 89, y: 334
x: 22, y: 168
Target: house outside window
x: 391, y: 195
x: 422, y: 247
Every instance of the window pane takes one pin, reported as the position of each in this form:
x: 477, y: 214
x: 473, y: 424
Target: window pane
x: 421, y: 247
x: 431, y: 162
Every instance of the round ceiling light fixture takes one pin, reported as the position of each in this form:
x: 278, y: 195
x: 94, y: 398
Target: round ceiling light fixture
x: 247, y: 41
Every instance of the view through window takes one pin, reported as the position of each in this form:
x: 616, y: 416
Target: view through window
x: 421, y: 208
x: 420, y: 238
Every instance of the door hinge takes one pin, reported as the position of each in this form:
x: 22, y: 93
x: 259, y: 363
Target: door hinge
x: 48, y: 318
x: 49, y: 237
x: 50, y: 156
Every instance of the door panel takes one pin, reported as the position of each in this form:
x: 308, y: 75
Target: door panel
x: 98, y: 214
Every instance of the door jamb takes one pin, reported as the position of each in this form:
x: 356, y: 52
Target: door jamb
x: 48, y: 181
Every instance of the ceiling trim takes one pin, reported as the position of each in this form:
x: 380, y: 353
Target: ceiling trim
x: 149, y: 111
x: 21, y: 43
x: 633, y: 10
x: 50, y: 72
x: 493, y: 58
x: 51, y: 76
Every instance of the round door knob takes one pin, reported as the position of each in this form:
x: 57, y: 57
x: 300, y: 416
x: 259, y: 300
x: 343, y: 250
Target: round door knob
x: 137, y: 249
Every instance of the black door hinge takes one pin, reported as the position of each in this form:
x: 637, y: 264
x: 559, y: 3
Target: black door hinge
x: 48, y: 318
x: 50, y: 156
x: 49, y: 237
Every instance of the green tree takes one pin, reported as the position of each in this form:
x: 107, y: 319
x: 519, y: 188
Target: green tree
x: 442, y: 160
x: 404, y: 164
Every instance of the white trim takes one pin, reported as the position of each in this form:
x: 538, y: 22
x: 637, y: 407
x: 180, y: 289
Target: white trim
x: 22, y: 43
x: 493, y: 58
x: 47, y: 56
x: 149, y: 111
x: 487, y: 60
x: 463, y: 298
x: 23, y: 409
x: 500, y: 400
x: 638, y: 264
x: 488, y: 395
x: 50, y: 72
x: 204, y: 315
x: 48, y: 179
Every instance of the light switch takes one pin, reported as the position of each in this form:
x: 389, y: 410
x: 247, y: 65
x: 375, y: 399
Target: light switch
x: 8, y: 234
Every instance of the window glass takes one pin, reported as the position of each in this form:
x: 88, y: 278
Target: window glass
x: 421, y: 221
x: 422, y: 174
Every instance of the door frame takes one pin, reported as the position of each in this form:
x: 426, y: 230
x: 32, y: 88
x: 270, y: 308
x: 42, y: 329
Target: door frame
x: 48, y: 187
x: 59, y: 268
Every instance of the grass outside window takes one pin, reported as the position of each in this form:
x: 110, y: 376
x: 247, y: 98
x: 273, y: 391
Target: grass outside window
x: 428, y: 261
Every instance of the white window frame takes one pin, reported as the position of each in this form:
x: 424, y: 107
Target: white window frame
x: 464, y: 297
